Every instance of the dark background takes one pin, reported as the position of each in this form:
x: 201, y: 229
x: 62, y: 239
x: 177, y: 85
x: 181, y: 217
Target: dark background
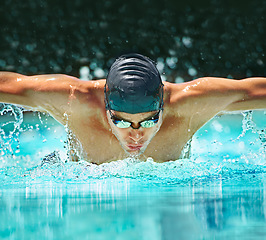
x: 209, y: 37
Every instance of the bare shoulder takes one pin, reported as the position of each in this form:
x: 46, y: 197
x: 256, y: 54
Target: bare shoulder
x: 74, y: 89
x: 212, y: 94
x: 203, y: 87
x: 61, y: 83
x: 179, y: 92
x: 56, y: 82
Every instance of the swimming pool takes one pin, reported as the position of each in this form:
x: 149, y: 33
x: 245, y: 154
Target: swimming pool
x: 218, y: 193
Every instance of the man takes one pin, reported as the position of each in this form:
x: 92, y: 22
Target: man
x: 132, y: 112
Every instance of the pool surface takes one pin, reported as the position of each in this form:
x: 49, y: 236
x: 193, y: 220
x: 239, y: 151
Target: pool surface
x: 218, y: 193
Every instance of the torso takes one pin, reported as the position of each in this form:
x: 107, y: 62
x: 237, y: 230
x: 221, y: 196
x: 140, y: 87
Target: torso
x: 100, y: 145
x: 88, y: 122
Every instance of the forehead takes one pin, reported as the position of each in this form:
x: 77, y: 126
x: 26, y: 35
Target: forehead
x: 138, y: 117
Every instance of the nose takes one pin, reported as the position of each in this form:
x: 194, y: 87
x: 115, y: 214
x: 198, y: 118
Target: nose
x: 136, y: 135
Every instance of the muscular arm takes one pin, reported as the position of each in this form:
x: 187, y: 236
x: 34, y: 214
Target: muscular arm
x: 236, y: 95
x: 220, y: 94
x: 200, y: 100
x: 50, y: 93
x: 251, y: 92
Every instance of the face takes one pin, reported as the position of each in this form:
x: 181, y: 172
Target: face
x: 135, y: 138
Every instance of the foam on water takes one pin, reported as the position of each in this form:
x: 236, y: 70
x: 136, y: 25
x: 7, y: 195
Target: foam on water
x: 186, y: 172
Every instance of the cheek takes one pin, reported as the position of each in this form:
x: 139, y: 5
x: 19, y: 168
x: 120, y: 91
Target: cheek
x: 149, y: 132
x: 152, y: 131
x: 119, y: 132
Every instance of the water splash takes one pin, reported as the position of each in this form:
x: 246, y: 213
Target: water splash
x: 25, y: 137
x: 72, y: 145
x: 189, y: 170
x: 248, y: 124
x: 10, y: 129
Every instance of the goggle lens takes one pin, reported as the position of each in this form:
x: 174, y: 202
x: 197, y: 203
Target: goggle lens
x: 149, y: 123
x: 122, y: 123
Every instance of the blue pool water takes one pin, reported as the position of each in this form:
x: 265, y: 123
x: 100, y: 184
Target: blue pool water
x: 218, y: 193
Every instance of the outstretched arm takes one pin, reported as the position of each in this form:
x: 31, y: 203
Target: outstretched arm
x: 200, y: 100
x: 50, y: 93
x: 253, y: 91
x: 221, y: 94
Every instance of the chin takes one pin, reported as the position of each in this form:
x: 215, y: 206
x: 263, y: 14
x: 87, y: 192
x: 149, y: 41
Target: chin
x: 134, y: 153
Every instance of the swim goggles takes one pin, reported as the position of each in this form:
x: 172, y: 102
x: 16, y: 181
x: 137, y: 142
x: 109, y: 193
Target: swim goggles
x: 148, y: 123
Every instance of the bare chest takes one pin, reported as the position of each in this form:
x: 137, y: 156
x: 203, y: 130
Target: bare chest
x: 100, y: 145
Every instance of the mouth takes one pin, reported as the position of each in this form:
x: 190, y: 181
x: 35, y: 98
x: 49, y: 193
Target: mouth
x: 134, y: 147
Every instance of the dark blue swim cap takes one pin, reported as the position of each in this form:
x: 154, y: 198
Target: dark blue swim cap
x: 133, y: 85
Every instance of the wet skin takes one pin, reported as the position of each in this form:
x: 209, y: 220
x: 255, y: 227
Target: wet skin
x: 80, y: 105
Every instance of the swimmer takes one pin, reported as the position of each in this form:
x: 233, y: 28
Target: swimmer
x: 132, y: 112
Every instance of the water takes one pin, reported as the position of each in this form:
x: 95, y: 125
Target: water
x: 218, y: 193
